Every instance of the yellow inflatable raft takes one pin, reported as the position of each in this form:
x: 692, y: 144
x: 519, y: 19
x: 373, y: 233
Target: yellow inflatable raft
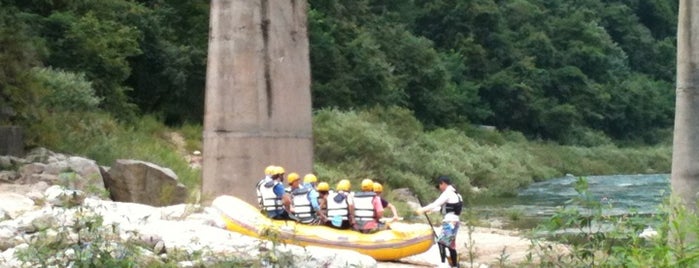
x: 401, y: 241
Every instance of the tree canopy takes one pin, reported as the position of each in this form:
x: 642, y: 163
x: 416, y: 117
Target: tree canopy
x: 574, y: 72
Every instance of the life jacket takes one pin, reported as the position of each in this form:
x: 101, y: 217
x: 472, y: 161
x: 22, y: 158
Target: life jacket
x: 269, y: 200
x: 453, y: 207
x: 257, y: 189
x: 337, y: 205
x: 363, y: 206
x: 302, y: 205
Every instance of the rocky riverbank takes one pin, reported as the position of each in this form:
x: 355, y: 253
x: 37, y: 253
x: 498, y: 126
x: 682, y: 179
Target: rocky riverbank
x: 66, y: 210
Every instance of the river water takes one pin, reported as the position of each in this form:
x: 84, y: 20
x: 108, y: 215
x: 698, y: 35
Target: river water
x: 619, y: 194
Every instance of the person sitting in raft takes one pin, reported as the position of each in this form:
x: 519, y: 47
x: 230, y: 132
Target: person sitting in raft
x: 341, y: 206
x: 267, y: 178
x: 451, y: 204
x: 367, y: 208
x: 322, y: 212
x: 299, y: 200
x: 272, y: 193
x: 378, y: 189
x: 310, y: 181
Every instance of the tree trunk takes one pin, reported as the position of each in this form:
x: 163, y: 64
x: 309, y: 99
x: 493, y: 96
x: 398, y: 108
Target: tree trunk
x: 258, y: 99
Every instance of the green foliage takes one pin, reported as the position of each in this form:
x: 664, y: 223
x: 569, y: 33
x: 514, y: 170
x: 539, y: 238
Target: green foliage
x: 193, y: 136
x: 548, y: 69
x: 66, y: 91
x: 100, y: 137
x: 97, y: 245
x: 99, y: 47
x: 595, y: 239
x: 171, y: 71
x: 570, y: 72
x: 20, y: 51
x: 390, y: 146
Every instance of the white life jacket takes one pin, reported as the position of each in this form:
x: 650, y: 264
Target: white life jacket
x: 336, y: 208
x: 302, y: 205
x: 363, y: 206
x: 270, y: 201
x: 257, y: 189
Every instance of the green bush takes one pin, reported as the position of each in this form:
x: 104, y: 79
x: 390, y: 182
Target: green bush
x: 67, y: 91
x: 391, y: 146
x: 385, y: 144
x: 98, y: 136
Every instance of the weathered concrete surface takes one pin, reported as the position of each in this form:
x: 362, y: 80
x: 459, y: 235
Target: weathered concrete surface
x: 11, y: 141
x: 685, y: 171
x: 258, y: 101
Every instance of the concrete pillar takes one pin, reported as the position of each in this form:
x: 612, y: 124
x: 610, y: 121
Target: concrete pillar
x: 685, y: 149
x: 258, y: 98
x: 11, y: 141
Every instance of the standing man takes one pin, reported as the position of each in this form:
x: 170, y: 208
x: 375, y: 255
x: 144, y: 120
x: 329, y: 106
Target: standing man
x: 451, y: 204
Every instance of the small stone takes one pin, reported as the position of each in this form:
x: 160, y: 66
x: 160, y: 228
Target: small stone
x: 159, y: 247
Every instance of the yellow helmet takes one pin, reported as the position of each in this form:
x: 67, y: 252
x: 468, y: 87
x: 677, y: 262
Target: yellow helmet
x: 310, y: 178
x: 269, y: 170
x: 367, y: 185
x: 278, y: 170
x: 343, y: 185
x: 323, y: 186
x: 378, y: 188
x: 293, y: 176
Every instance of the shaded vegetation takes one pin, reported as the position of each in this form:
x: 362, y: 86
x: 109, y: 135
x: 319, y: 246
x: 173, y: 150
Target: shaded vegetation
x: 576, y: 73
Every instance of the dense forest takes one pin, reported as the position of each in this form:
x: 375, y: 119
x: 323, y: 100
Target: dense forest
x: 582, y: 72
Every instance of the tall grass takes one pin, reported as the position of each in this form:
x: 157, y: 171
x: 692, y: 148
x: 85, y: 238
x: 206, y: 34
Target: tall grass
x: 99, y: 136
x: 625, y: 242
x: 390, y: 145
x: 385, y: 144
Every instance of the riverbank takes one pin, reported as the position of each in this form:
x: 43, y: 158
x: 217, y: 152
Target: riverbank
x: 482, y: 247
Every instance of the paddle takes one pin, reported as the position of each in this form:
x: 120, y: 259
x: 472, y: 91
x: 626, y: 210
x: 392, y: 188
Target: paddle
x: 388, y: 220
x: 442, y: 253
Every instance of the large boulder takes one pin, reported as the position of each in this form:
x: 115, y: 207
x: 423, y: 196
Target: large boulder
x: 15, y: 204
x: 9, y: 176
x: 88, y: 176
x: 72, y: 172
x: 146, y: 183
x: 40, y: 155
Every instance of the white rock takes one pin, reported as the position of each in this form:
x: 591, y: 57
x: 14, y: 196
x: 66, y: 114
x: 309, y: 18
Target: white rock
x: 58, y: 196
x: 8, y: 259
x: 648, y: 233
x: 3, y: 215
x: 15, y: 204
x: 121, y: 212
x: 189, y: 237
x: 7, y: 237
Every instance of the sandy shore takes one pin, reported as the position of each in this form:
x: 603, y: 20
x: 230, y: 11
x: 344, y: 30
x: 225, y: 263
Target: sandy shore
x: 490, y: 247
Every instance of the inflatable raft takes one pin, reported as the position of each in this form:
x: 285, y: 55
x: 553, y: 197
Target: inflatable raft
x: 400, y: 241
